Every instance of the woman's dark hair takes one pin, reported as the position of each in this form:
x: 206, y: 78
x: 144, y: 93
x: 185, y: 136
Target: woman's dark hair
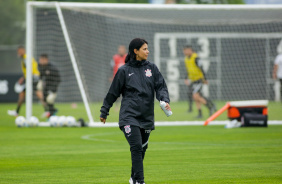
x: 136, y: 43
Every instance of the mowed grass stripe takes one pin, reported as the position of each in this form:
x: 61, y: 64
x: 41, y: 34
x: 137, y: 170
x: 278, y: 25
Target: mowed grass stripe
x: 183, y: 154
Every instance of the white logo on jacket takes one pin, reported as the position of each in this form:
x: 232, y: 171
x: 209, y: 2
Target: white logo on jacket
x: 148, y: 73
x: 127, y: 129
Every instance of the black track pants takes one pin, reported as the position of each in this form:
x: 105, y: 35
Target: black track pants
x: 138, y: 139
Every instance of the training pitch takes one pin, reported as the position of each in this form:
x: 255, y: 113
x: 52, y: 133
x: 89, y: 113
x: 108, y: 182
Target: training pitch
x: 176, y: 154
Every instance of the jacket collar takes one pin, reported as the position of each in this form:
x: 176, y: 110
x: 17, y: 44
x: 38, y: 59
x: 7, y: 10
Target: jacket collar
x: 136, y: 63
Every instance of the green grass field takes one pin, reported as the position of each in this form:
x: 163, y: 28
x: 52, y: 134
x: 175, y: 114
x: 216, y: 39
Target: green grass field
x: 179, y: 111
x: 182, y: 154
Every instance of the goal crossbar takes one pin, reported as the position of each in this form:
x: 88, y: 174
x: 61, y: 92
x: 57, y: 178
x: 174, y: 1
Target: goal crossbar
x: 150, y: 6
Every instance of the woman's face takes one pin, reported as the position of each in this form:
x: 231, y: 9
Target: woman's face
x: 142, y: 53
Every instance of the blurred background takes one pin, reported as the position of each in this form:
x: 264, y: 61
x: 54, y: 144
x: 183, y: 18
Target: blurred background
x: 12, y: 24
x: 12, y: 31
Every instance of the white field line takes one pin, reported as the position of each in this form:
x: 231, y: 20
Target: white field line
x: 180, y: 123
x: 167, y: 123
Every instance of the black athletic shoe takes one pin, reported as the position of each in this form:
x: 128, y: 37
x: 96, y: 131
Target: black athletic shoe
x: 53, y: 113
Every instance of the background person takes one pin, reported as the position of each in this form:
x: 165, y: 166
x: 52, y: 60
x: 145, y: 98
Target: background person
x: 117, y: 61
x: 35, y: 79
x: 197, y: 78
x: 138, y: 81
x: 277, y: 69
x: 50, y: 79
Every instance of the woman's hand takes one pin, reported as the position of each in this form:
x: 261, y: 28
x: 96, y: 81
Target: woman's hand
x: 167, y: 107
x: 103, y: 120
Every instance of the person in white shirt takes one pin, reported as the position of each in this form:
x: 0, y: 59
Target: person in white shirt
x: 277, y: 69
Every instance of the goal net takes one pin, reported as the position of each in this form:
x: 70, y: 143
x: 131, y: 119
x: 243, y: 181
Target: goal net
x: 236, y: 45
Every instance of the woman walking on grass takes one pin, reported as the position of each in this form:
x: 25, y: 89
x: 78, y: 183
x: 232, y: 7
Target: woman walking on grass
x: 138, y: 81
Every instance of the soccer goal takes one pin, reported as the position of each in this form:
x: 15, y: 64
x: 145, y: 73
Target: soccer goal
x: 236, y: 45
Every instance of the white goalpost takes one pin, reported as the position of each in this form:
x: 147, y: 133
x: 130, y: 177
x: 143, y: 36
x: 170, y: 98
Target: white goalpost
x: 74, y: 63
x: 236, y: 45
x: 29, y: 36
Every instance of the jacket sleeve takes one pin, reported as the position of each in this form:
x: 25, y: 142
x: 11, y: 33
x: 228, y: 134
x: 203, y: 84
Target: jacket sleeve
x: 160, y: 86
x: 113, y: 93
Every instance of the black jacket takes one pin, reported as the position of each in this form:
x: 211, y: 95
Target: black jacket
x: 50, y: 76
x: 137, y: 81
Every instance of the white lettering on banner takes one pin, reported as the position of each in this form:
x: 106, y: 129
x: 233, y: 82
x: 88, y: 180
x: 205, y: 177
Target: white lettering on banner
x: 172, y: 70
x: 205, y: 47
x: 4, y: 87
x: 172, y: 47
x: 257, y: 122
x: 204, y: 54
x: 173, y: 90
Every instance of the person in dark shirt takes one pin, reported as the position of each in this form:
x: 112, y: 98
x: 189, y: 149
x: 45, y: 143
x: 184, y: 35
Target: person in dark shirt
x: 49, y: 82
x: 138, y: 81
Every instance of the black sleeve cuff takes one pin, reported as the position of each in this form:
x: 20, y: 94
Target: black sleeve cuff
x: 104, y: 114
x: 166, y: 100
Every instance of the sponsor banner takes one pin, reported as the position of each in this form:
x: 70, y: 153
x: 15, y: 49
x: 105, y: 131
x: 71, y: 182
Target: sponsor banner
x: 7, y: 87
